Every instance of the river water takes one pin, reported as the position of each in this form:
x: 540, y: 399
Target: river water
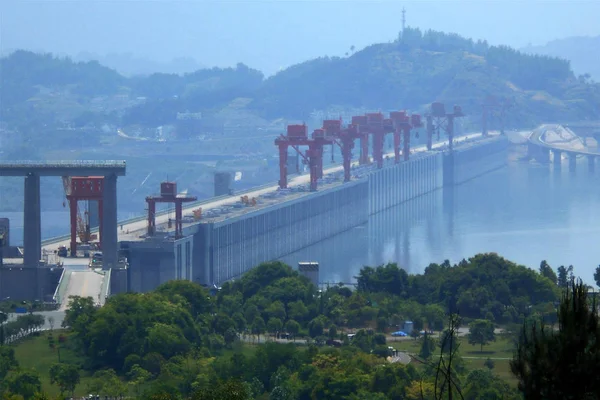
x: 524, y: 212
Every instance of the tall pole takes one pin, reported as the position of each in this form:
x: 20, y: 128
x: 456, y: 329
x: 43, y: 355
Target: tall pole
x: 403, y: 22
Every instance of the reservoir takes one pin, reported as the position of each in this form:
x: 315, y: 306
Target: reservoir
x: 525, y: 212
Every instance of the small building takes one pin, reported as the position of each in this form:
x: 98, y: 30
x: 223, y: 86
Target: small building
x: 310, y: 270
x: 408, y: 327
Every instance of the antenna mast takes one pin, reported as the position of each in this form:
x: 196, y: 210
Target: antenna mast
x: 403, y: 20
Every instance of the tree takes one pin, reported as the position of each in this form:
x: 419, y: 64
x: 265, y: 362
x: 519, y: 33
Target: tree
x: 547, y: 271
x: 8, y: 361
x: 51, y: 322
x: 561, y: 364
x: 293, y: 328
x: 481, y: 332
x: 229, y: 390
x: 107, y: 382
x: 258, y: 326
x: 427, y: 347
x: 3, y: 319
x: 23, y: 382
x: 597, y: 276
x: 65, y: 376
x: 489, y: 364
x: 138, y: 376
x: 565, y: 275
x: 274, y: 325
x: 333, y: 332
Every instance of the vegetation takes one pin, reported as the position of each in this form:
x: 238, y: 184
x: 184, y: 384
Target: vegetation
x: 180, y: 342
x: 411, y: 72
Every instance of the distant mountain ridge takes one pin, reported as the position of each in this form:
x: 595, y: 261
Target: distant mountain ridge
x: 582, y: 51
x: 409, y: 73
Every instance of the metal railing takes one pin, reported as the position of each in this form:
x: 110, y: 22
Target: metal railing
x: 105, y: 292
x: 62, y: 286
x: 65, y: 163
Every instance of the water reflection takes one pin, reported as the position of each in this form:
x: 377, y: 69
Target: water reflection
x: 524, y: 212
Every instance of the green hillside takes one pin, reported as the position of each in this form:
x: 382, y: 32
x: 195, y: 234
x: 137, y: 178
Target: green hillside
x: 39, y: 90
x: 413, y: 71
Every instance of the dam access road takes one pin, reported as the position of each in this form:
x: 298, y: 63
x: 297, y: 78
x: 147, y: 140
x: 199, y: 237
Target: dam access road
x: 133, y: 230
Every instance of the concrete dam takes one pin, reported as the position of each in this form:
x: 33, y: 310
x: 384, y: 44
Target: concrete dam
x: 234, y: 236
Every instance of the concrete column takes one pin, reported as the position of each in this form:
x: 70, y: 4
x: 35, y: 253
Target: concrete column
x: 572, y: 161
x: 109, y: 223
x: 557, y: 157
x: 591, y: 163
x: 32, y: 232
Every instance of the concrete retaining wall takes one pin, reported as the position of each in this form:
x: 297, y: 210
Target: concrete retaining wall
x: 28, y: 283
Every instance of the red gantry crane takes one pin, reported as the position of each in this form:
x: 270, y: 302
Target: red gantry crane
x: 297, y: 135
x: 403, y: 124
x: 438, y: 120
x: 168, y: 194
x: 83, y: 188
x: 344, y: 138
x: 377, y: 126
x: 360, y: 122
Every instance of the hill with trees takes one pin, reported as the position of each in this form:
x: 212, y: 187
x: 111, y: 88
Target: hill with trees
x: 408, y: 73
x: 581, y: 51
x: 272, y: 334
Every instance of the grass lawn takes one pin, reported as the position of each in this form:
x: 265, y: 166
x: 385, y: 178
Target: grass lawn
x: 34, y: 352
x: 500, y: 351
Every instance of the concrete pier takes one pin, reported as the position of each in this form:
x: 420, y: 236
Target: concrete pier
x: 572, y: 162
x: 556, y: 158
x: 32, y: 237
x: 109, y: 223
x: 591, y: 163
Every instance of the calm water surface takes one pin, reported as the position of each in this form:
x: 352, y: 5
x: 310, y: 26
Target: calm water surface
x: 526, y: 213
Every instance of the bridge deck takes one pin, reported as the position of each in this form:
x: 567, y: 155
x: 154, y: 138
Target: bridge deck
x: 63, y: 168
x: 537, y: 138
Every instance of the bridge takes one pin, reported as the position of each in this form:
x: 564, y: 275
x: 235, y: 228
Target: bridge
x: 559, y: 140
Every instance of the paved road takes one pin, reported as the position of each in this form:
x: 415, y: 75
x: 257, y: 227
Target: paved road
x: 133, y: 230
x: 537, y: 137
x: 84, y: 284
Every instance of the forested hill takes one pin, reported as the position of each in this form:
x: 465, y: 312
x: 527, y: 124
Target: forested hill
x: 421, y: 67
x: 408, y: 73
x: 581, y: 51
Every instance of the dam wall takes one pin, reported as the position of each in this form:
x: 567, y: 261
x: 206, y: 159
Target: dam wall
x: 226, y: 249
x: 228, y: 242
x: 474, y: 159
x: 397, y: 183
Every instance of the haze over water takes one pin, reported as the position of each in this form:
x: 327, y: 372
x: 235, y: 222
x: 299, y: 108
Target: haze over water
x: 524, y: 212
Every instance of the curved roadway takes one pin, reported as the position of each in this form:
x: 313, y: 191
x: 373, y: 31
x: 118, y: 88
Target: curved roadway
x: 537, y: 138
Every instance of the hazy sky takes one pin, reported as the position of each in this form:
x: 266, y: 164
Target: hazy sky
x: 272, y: 34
